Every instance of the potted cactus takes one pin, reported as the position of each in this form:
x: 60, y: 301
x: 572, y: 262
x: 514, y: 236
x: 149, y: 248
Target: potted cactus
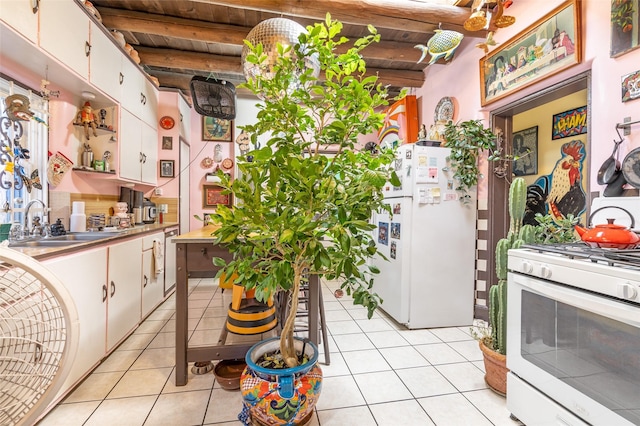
x: 494, y: 344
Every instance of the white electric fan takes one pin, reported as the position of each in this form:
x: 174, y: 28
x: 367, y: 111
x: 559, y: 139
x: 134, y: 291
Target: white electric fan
x: 38, y: 337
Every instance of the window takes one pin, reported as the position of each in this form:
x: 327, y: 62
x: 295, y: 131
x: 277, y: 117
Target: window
x: 23, y: 150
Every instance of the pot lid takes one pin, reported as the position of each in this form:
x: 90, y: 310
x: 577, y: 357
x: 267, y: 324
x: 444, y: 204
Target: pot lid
x: 631, y: 168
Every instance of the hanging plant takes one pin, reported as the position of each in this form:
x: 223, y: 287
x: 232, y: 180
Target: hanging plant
x: 467, y: 140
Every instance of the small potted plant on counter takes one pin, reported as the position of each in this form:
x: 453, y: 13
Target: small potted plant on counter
x: 300, y: 212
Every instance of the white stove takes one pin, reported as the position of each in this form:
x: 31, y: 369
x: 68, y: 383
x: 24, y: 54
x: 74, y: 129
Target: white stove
x: 610, y: 272
x: 573, y: 331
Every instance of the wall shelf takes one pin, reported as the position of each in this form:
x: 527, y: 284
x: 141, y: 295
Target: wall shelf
x: 102, y: 130
x: 81, y: 169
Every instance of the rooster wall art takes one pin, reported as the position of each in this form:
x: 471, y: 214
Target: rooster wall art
x: 560, y: 193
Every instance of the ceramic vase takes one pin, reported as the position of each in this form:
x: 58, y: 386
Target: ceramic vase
x: 280, y: 396
x: 495, y: 367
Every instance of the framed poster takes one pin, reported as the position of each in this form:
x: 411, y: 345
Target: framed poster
x: 217, y: 129
x: 548, y: 46
x: 167, y: 168
x: 625, y: 17
x: 525, y: 152
x: 569, y: 123
x: 212, y: 197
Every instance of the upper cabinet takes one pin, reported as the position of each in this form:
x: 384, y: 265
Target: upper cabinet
x: 19, y: 15
x: 65, y: 33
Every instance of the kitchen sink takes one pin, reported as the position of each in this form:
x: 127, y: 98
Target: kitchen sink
x: 84, y: 236
x: 64, y: 240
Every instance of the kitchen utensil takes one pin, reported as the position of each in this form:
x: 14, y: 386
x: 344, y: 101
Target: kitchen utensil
x: 631, y: 168
x: 615, y: 188
x: 610, y: 169
x: 609, y: 235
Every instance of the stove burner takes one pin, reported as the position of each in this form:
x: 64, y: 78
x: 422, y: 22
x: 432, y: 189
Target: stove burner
x: 611, y: 257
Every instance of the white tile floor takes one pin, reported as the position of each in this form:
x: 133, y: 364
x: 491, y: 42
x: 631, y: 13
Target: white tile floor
x: 380, y: 374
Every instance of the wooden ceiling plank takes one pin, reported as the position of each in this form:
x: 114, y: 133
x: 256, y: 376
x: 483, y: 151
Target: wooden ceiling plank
x: 185, y: 29
x: 382, y: 13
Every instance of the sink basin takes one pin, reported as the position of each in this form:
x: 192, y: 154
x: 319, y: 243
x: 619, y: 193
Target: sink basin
x: 84, y: 236
x: 43, y: 243
x: 64, y: 240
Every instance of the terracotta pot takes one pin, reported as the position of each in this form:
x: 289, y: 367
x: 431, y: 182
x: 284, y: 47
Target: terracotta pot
x: 495, y: 367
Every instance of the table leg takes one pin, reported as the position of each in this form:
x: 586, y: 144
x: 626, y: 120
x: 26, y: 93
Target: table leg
x: 314, y: 306
x: 182, y: 299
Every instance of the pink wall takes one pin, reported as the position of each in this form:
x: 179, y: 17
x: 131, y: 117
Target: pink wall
x: 460, y: 79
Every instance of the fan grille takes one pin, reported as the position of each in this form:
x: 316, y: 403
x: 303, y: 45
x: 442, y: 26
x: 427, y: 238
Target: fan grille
x: 34, y: 324
x: 213, y: 98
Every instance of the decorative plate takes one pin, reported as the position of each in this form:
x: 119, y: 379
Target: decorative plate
x: 444, y: 110
x: 206, y: 162
x: 227, y: 164
x: 167, y: 122
x: 631, y: 168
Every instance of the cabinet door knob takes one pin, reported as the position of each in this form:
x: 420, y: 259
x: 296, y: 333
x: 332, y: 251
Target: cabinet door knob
x: 113, y: 288
x: 203, y: 250
x: 121, y: 79
x: 87, y: 48
x: 146, y: 280
x: 140, y: 158
x: 36, y: 6
x: 104, y: 293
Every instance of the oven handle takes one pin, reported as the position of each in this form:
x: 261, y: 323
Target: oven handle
x: 597, y: 304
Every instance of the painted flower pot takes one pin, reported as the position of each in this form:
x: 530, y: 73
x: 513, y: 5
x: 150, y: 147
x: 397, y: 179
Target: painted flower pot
x: 280, y: 396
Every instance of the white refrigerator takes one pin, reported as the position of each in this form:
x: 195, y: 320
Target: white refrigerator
x: 429, y: 241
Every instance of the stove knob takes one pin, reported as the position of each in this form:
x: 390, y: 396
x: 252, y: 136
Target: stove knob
x: 545, y: 272
x: 627, y: 291
x: 526, y: 267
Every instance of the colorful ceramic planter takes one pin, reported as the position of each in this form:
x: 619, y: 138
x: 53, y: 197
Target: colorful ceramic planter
x: 280, y: 396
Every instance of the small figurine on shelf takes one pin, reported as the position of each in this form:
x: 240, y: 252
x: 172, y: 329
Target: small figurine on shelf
x: 422, y: 133
x: 87, y: 118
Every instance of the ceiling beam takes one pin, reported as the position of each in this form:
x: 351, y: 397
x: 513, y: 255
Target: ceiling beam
x: 393, y: 14
x: 208, y: 63
x: 186, y: 29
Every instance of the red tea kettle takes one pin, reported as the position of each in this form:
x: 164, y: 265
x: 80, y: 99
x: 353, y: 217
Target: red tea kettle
x: 609, y: 235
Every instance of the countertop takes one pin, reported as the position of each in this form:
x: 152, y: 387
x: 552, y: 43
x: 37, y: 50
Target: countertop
x: 202, y: 235
x: 136, y: 231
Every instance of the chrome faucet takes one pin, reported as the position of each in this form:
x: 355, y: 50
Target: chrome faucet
x: 26, y: 213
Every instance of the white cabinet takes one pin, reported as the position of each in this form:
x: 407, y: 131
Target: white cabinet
x: 19, y: 15
x: 152, y: 283
x: 85, y: 276
x: 138, y: 149
x: 105, y: 63
x: 64, y: 33
x: 123, y: 285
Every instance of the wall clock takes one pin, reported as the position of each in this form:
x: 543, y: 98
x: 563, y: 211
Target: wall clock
x: 167, y: 122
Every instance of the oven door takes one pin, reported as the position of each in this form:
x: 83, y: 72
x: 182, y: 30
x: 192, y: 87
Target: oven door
x: 581, y: 350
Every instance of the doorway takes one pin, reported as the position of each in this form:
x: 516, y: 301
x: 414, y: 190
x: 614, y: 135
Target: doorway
x: 183, y: 200
x: 534, y: 114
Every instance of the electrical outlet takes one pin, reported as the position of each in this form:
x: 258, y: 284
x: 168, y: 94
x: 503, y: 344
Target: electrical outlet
x: 158, y: 191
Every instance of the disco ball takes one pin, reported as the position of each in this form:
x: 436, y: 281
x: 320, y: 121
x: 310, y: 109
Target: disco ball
x: 271, y: 32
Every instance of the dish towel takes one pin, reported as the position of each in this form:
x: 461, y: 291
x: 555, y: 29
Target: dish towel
x: 158, y: 256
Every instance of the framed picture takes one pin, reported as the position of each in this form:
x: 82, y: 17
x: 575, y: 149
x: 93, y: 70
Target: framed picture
x: 631, y: 86
x: 217, y: 129
x: 167, y: 142
x: 625, y: 14
x: 212, y: 197
x: 569, y: 123
x: 548, y: 46
x: 167, y: 168
x: 525, y: 152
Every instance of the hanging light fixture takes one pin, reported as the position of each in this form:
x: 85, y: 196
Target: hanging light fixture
x: 270, y: 32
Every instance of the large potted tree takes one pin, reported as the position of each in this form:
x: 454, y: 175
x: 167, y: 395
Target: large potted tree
x: 300, y: 212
